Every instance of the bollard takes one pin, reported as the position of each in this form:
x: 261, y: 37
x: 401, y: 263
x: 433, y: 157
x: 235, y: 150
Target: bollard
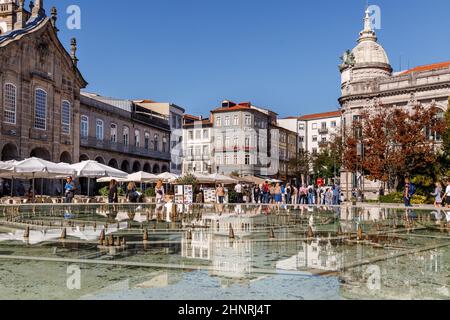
x: 95, y: 226
x: 218, y: 226
x: 110, y: 240
x: 106, y: 227
x: 129, y: 225
x: 102, y: 235
x: 271, y: 234
x: 231, y: 233
x: 360, y: 233
x: 118, y: 226
x: 145, y: 236
x: 339, y: 232
x: 310, y: 233
x: 26, y: 234
x: 64, y: 234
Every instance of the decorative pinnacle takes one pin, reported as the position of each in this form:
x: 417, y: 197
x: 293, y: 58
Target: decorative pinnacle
x: 73, y: 51
x: 54, y: 17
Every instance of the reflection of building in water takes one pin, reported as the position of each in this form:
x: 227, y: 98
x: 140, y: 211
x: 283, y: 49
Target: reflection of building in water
x: 243, y: 225
x: 315, y: 255
x: 200, y: 247
x: 416, y: 276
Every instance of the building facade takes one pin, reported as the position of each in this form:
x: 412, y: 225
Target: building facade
x: 40, y: 86
x: 175, y: 115
x: 117, y: 133
x: 368, y: 83
x: 198, y: 142
x: 314, y: 130
x: 243, y: 139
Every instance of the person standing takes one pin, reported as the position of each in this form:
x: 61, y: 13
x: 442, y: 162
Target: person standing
x: 278, y: 194
x: 113, y: 196
x: 408, y: 192
x: 265, y: 192
x: 132, y: 193
x: 336, y: 195
x: 288, y: 192
x: 294, y: 195
x: 256, y: 194
x: 438, y: 195
x: 238, y: 190
x: 220, y: 192
x: 272, y: 193
x: 159, y: 190
x: 69, y: 188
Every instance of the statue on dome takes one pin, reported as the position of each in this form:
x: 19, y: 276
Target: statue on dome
x: 348, y: 60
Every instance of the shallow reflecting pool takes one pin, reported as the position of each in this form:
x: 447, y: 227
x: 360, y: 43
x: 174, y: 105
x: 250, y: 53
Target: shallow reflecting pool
x: 223, y: 252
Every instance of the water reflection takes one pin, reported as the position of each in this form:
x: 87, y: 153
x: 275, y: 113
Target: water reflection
x: 374, y: 252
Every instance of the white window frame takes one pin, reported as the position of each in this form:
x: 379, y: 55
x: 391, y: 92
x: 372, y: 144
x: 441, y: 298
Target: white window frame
x: 137, y: 138
x: 42, y: 120
x: 99, y: 137
x: 113, y: 133
x: 10, y: 103
x: 236, y: 120
x: 126, y: 135
x: 66, y: 126
x: 86, y: 123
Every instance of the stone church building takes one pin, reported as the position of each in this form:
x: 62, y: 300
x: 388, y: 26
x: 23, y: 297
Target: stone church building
x: 368, y: 82
x: 40, y: 86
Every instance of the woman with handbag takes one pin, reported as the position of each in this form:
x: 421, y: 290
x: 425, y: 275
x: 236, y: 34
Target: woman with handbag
x: 159, y: 190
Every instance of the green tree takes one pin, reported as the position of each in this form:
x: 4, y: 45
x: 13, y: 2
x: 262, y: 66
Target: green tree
x: 327, y: 163
x: 301, y: 166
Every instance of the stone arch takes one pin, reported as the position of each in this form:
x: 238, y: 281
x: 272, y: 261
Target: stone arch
x: 136, y: 166
x: 156, y: 169
x: 10, y: 152
x: 164, y: 168
x: 113, y: 164
x: 100, y: 159
x: 41, y: 153
x: 84, y: 157
x: 65, y: 157
x: 125, y: 167
x: 147, y: 168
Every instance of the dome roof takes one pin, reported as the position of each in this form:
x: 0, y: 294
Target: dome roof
x: 368, y: 50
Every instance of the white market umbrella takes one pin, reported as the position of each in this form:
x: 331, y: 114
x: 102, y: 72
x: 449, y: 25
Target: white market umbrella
x: 167, y: 176
x: 109, y: 179
x: 35, y: 168
x: 93, y: 169
x: 218, y: 178
x: 142, y: 177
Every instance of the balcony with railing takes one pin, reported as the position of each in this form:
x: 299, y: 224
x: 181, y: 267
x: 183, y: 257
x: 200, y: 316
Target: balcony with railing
x: 92, y: 142
x: 323, y: 131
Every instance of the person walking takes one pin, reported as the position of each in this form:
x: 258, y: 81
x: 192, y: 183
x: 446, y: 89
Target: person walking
x: 220, y: 193
x: 336, y: 195
x: 113, y: 196
x: 303, y: 195
x: 408, y: 192
x: 311, y: 199
x: 69, y: 189
x: 159, y: 190
x: 438, y: 195
x: 447, y: 194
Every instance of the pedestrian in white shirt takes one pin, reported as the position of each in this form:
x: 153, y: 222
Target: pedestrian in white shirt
x: 447, y: 195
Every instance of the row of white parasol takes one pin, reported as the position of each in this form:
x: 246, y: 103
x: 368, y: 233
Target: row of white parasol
x: 35, y: 168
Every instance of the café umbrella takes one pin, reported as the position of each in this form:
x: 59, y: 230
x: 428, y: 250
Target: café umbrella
x: 35, y: 168
x: 92, y: 170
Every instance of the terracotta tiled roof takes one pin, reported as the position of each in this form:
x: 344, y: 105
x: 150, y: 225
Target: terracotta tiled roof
x: 191, y: 117
x: 332, y: 114
x: 428, y: 67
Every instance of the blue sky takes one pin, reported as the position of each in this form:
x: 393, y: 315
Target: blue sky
x: 281, y: 54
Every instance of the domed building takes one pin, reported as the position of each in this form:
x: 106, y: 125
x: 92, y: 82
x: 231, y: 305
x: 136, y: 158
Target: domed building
x: 368, y: 82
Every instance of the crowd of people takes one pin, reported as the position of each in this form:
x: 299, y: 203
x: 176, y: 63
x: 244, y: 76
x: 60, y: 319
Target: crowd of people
x: 278, y: 193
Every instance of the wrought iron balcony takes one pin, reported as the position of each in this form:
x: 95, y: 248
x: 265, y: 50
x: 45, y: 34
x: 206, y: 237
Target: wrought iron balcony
x: 92, y: 142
